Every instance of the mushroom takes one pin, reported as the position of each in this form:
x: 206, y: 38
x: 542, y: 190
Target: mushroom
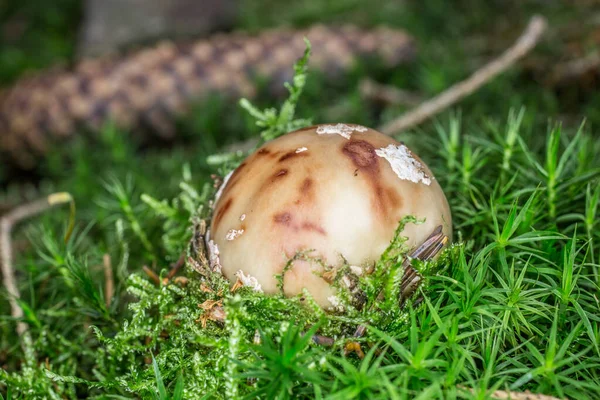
x: 338, y: 191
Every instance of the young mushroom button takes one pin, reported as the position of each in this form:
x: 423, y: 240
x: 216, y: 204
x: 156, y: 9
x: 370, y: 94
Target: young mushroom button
x: 338, y: 190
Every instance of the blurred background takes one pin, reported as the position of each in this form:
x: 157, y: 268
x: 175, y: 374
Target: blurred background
x: 558, y: 81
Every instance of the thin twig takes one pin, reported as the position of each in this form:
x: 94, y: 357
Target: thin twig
x: 109, y: 284
x: 151, y: 274
x: 386, y: 94
x: 175, y: 267
x: 526, y: 42
x: 7, y: 223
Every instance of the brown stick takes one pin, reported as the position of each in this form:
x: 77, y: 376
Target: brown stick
x: 7, y: 223
x: 528, y: 40
x: 175, y: 267
x: 109, y: 284
x: 151, y: 274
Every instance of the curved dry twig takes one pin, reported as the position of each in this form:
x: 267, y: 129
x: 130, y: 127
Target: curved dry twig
x: 7, y: 222
x: 526, y: 42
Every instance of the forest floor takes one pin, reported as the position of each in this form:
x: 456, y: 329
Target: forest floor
x: 513, y: 305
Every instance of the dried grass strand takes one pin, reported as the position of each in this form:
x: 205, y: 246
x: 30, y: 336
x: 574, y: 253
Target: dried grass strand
x: 7, y: 223
x: 109, y: 283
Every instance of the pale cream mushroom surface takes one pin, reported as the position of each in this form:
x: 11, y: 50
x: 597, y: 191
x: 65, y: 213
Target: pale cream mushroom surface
x: 337, y: 189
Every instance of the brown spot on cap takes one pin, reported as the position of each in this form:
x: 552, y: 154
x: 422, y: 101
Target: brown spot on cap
x: 380, y: 199
x: 363, y: 156
x: 292, y: 154
x: 264, y: 151
x: 238, y: 169
x: 393, y: 198
x: 280, y: 173
x: 306, y: 191
x: 234, y: 179
x: 309, y: 226
x: 282, y: 218
x: 306, y: 186
x: 267, y: 185
x: 222, y: 211
x: 361, y: 152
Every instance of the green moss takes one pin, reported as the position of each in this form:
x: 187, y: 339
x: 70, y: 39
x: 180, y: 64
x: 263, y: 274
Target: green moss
x: 511, y: 304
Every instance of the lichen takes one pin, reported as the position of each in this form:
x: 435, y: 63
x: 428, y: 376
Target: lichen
x: 340, y: 129
x: 213, y: 257
x: 336, y: 304
x: 233, y: 234
x: 249, y: 281
x: 404, y: 164
x: 356, y: 270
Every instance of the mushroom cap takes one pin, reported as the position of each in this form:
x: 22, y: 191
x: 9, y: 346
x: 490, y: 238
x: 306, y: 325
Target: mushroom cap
x: 339, y: 190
